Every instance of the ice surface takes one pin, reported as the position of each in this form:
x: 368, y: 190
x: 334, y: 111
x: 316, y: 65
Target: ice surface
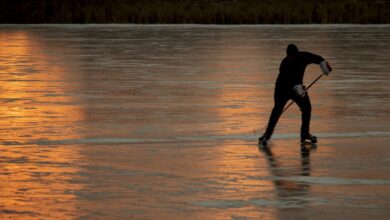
x: 162, y: 121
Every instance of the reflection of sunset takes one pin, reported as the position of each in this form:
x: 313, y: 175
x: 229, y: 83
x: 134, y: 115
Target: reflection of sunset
x: 239, y: 116
x: 33, y: 105
x: 244, y: 101
x: 36, y: 185
x: 239, y: 109
x: 33, y: 92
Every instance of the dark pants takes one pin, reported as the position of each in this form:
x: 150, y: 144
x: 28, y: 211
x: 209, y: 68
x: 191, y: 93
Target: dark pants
x: 281, y: 97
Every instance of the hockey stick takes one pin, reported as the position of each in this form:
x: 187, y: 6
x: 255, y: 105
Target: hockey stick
x: 319, y: 77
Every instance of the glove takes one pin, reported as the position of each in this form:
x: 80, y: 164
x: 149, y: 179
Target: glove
x: 300, y: 90
x: 325, y: 67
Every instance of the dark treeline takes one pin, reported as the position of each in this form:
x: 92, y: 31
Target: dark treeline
x: 195, y: 11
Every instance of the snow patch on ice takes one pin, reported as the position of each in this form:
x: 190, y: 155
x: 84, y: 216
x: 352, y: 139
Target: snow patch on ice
x: 291, y: 202
x: 236, y: 137
x: 334, y: 180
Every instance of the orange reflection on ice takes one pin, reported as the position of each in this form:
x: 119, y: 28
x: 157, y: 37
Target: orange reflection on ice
x: 33, y: 95
x: 35, y: 180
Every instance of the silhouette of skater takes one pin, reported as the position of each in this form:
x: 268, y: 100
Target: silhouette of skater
x: 289, y: 86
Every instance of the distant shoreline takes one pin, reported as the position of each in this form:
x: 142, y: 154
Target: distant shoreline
x: 196, y: 25
x: 226, y: 12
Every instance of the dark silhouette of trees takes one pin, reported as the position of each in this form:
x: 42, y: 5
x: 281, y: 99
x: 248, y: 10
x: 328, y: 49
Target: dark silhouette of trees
x: 200, y: 11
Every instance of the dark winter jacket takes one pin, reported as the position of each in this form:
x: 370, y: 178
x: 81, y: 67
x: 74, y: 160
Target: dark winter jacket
x: 291, y: 71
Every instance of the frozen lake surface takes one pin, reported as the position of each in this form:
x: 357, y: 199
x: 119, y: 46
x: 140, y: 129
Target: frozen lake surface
x: 161, y: 122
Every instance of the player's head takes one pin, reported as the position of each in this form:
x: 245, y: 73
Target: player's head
x: 292, y: 51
